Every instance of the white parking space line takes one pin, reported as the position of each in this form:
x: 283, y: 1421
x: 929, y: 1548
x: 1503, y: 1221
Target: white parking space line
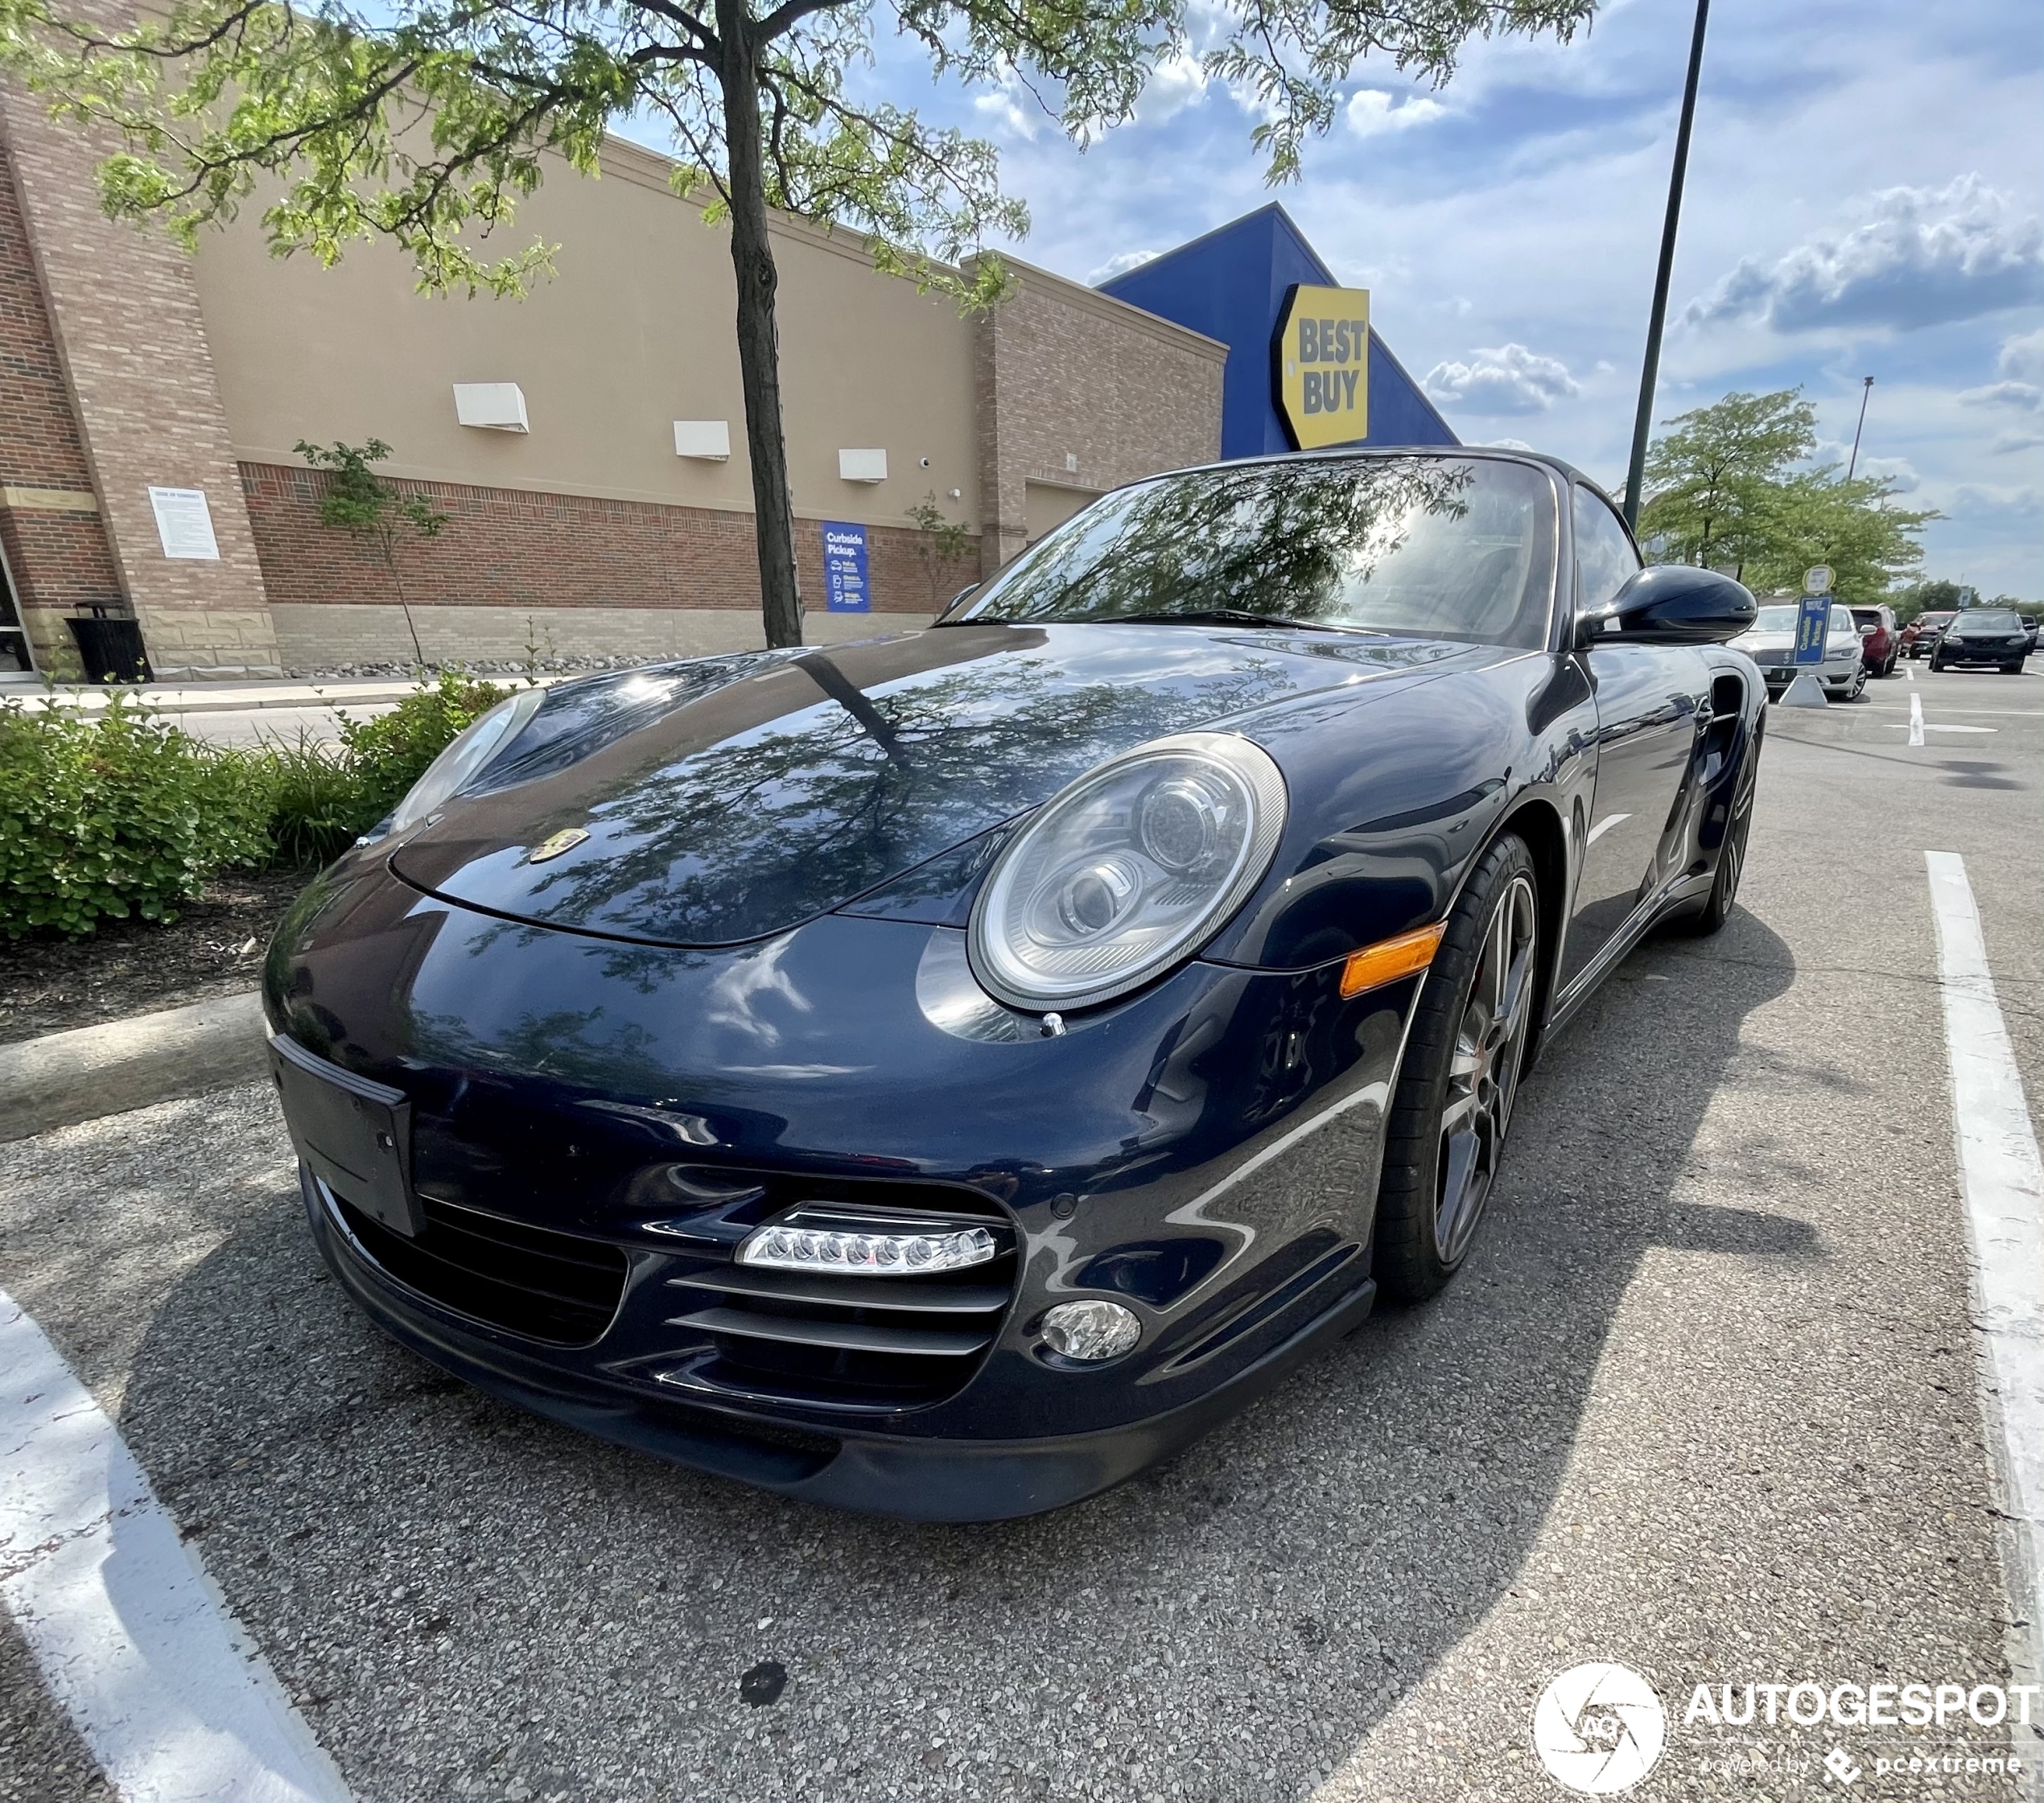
x: 1915, y: 717
x: 1908, y: 669
x: 130, y: 1635
x: 2002, y: 1179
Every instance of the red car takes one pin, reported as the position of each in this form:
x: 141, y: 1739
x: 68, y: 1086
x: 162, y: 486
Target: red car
x: 1881, y: 642
x: 1921, y: 634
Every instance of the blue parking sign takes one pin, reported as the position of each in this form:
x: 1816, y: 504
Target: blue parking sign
x: 1812, y: 624
x: 845, y: 590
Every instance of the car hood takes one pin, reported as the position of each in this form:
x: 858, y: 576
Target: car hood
x: 727, y: 799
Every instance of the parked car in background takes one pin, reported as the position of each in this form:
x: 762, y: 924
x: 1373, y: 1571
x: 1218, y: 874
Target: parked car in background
x: 1771, y: 644
x: 1921, y: 634
x: 1983, y: 635
x: 1881, y: 642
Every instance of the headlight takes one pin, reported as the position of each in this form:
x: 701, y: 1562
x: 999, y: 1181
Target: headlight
x: 1127, y: 871
x: 465, y: 756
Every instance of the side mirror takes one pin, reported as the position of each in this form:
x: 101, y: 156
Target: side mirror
x: 1866, y: 631
x: 1670, y: 603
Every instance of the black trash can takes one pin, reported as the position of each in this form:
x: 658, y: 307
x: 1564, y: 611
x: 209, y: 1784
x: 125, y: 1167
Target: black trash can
x: 109, y: 646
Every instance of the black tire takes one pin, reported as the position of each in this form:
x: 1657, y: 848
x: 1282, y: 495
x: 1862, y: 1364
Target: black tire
x: 1937, y: 664
x: 1461, y: 1055
x: 1732, y: 854
x: 2011, y: 669
x: 1888, y: 669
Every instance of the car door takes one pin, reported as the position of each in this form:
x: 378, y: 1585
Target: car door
x: 1651, y: 700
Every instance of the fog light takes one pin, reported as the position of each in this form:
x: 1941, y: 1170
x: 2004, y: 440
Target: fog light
x: 1091, y: 1331
x: 829, y: 1249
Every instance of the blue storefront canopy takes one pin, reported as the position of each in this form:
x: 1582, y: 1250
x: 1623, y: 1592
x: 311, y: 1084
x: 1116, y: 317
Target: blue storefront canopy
x: 1230, y: 285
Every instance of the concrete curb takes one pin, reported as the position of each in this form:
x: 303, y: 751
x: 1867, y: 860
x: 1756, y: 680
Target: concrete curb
x: 225, y: 698
x: 92, y: 1071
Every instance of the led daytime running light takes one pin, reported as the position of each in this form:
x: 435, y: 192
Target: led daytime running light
x: 829, y: 1249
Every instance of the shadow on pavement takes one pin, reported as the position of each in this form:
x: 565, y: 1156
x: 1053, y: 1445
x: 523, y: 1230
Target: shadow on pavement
x: 474, y: 1602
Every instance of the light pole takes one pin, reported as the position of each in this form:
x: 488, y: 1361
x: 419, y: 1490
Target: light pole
x: 1643, y: 421
x: 1853, y: 463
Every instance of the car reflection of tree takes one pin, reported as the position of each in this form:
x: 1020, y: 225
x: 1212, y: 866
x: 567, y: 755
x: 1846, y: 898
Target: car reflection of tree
x: 1236, y: 540
x: 769, y: 822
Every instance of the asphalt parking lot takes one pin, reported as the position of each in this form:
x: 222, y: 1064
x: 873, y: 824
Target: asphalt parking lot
x: 1704, y: 1402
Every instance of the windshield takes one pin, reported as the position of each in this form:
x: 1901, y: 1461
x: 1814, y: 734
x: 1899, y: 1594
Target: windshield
x: 1781, y: 618
x: 1434, y: 547
x: 1984, y: 621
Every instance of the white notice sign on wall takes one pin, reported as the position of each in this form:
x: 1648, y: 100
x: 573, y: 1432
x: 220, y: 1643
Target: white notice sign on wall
x: 184, y: 524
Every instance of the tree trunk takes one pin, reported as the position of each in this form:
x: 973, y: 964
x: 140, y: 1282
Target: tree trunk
x: 759, y: 358
x: 397, y: 581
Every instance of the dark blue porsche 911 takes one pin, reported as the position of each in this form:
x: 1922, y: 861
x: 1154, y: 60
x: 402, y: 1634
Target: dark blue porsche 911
x: 942, y: 1075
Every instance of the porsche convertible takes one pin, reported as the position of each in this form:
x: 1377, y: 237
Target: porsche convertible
x: 942, y: 1075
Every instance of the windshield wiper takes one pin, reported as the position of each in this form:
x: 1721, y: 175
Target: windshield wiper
x: 1218, y: 616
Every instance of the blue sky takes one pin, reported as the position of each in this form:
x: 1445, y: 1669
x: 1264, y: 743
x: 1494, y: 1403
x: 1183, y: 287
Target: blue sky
x: 1865, y: 196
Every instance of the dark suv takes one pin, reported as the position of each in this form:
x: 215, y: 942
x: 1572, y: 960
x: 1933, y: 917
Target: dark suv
x: 1983, y: 635
x: 1881, y: 642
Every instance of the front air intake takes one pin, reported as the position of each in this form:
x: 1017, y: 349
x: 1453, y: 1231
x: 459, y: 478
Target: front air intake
x: 885, y: 1338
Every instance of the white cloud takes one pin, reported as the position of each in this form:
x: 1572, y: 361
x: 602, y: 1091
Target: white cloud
x: 2026, y: 395
x: 1989, y: 502
x: 1371, y: 112
x: 1120, y: 265
x: 1922, y: 256
x: 2021, y: 359
x: 1012, y: 104
x: 1508, y: 444
x: 1176, y: 84
x: 1509, y: 379
x: 1899, y: 472
x: 2009, y: 442
x: 2021, y: 366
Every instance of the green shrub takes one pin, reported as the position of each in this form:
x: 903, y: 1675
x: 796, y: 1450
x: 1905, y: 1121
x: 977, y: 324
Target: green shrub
x: 114, y: 814
x: 315, y: 805
x: 322, y: 798
x: 389, y: 753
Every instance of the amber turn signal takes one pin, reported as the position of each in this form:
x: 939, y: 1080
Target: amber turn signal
x: 1390, y: 959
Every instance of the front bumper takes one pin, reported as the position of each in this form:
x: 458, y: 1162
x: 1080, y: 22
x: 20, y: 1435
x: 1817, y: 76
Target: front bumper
x: 1837, y: 673
x: 1206, y: 1154
x: 909, y: 1478
x: 1987, y: 656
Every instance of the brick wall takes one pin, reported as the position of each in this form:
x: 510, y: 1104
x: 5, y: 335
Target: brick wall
x: 50, y: 525
x: 1083, y: 392
x: 124, y: 319
x: 513, y: 549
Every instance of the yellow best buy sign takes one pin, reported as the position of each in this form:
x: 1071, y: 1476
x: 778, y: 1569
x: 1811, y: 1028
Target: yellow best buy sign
x: 1320, y: 373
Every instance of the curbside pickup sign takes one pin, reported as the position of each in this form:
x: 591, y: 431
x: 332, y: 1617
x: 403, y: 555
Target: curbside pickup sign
x: 1320, y: 366
x: 846, y: 587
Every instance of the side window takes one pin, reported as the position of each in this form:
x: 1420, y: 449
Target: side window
x: 1604, y: 557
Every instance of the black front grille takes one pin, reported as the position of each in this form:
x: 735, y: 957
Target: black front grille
x: 556, y: 1287
x: 863, y: 1341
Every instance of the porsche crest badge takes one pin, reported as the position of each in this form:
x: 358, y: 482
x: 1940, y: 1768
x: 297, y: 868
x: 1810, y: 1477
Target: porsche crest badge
x: 565, y: 840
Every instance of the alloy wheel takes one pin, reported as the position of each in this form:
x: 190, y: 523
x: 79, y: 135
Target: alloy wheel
x: 1483, y: 1073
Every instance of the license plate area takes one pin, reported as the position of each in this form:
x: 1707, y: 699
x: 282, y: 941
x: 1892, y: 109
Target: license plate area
x: 353, y: 1134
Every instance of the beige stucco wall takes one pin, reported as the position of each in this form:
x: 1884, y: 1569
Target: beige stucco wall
x: 634, y: 331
